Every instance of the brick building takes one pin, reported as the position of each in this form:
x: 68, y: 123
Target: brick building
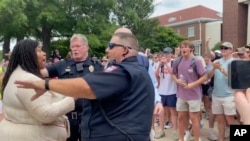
x: 236, y: 22
x: 194, y: 23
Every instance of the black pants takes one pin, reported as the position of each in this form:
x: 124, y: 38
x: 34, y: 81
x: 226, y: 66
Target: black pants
x: 119, y: 138
x: 75, y: 133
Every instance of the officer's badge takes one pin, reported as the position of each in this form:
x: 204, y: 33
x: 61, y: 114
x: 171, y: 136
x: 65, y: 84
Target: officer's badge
x: 91, y: 68
x: 111, y: 69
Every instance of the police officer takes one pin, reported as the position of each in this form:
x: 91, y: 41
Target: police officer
x: 77, y: 66
x: 120, y: 99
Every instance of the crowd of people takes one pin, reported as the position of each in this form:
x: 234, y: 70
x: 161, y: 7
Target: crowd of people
x: 122, y: 96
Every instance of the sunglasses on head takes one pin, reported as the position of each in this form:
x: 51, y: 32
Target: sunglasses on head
x: 112, y: 45
x: 224, y: 48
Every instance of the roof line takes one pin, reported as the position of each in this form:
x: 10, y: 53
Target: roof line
x: 193, y: 21
x: 187, y: 9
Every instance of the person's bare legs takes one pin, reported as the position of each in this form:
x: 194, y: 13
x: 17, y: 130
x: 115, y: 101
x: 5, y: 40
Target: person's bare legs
x: 182, y: 123
x: 207, y: 103
x: 221, y: 126
x: 195, y: 118
x: 173, y: 117
x: 162, y: 121
x: 167, y: 115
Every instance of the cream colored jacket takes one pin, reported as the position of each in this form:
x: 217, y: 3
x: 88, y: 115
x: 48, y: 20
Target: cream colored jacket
x: 39, y: 120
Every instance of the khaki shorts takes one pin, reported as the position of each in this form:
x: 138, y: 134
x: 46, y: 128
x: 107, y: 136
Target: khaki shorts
x: 223, y: 105
x: 188, y: 105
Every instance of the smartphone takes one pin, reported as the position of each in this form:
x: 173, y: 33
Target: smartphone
x: 239, y: 74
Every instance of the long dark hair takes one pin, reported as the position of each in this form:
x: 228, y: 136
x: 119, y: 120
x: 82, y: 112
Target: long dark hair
x: 23, y: 55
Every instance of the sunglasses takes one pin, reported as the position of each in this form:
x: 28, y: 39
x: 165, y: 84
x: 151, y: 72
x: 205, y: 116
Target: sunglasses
x: 112, y: 45
x: 224, y: 48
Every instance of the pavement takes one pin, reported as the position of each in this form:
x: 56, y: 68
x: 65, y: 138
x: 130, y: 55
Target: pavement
x: 204, y: 133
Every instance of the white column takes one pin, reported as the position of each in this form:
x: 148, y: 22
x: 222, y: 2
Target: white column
x: 248, y: 25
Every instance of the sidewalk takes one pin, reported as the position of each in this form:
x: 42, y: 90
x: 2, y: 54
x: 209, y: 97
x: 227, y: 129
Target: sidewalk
x: 204, y: 133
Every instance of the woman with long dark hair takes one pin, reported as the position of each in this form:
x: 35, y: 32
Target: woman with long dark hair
x: 26, y: 120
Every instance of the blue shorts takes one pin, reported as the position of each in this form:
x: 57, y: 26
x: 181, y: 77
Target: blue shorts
x: 169, y: 100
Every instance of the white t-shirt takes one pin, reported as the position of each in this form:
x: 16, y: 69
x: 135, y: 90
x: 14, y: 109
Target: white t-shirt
x: 154, y: 64
x: 167, y: 84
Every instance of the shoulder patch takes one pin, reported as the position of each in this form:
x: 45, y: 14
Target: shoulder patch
x: 110, y: 69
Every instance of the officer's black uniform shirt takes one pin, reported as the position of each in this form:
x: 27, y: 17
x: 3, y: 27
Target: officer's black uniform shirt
x: 125, y: 93
x: 68, y: 68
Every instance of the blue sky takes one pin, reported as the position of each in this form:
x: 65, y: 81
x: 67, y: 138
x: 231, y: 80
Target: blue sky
x: 168, y: 6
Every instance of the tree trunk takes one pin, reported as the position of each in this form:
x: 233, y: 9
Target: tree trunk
x: 19, y: 38
x: 6, y: 47
x: 46, y: 36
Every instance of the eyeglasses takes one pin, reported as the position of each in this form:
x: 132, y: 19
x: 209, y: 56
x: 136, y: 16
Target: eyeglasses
x: 224, y: 48
x: 112, y: 45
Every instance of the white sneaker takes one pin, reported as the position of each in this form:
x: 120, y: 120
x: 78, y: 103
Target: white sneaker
x: 152, y: 134
x: 159, y: 135
x: 175, y: 135
x: 227, y: 133
x: 168, y: 125
x: 212, y: 136
x: 187, y: 136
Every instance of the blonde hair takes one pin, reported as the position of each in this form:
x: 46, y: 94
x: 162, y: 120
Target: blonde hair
x: 81, y: 37
x: 188, y: 43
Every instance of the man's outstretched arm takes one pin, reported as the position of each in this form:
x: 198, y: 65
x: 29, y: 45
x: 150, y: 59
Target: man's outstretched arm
x: 75, y: 87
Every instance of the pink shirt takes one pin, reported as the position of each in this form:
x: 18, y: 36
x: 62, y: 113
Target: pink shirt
x: 190, y: 75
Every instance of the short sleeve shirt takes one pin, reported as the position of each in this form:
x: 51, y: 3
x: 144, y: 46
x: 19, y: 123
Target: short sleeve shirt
x: 122, y: 98
x: 190, y: 75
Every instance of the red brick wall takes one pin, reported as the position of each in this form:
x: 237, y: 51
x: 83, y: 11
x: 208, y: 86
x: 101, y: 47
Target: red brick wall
x: 242, y: 28
x: 183, y: 30
x: 234, y: 27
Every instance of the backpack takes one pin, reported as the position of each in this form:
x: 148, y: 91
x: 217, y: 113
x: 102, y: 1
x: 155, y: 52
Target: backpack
x: 193, y: 65
x: 142, y: 60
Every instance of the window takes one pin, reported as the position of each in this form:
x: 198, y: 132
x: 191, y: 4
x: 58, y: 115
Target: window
x: 178, y: 31
x: 171, y: 19
x: 197, y: 50
x: 191, y: 32
x: 197, y: 47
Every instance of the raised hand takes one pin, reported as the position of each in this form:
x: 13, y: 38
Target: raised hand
x: 38, y: 86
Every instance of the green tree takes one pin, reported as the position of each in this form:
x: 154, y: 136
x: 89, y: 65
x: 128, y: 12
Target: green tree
x: 62, y: 45
x: 131, y: 13
x: 13, y: 22
x: 134, y: 14
x: 96, y: 24
x: 49, y: 18
x: 162, y: 37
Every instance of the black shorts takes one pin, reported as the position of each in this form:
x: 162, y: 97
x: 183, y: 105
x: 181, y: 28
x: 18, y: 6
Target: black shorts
x: 205, y: 89
x: 169, y: 100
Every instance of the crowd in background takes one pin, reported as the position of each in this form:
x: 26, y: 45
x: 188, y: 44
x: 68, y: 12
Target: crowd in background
x: 189, y: 86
